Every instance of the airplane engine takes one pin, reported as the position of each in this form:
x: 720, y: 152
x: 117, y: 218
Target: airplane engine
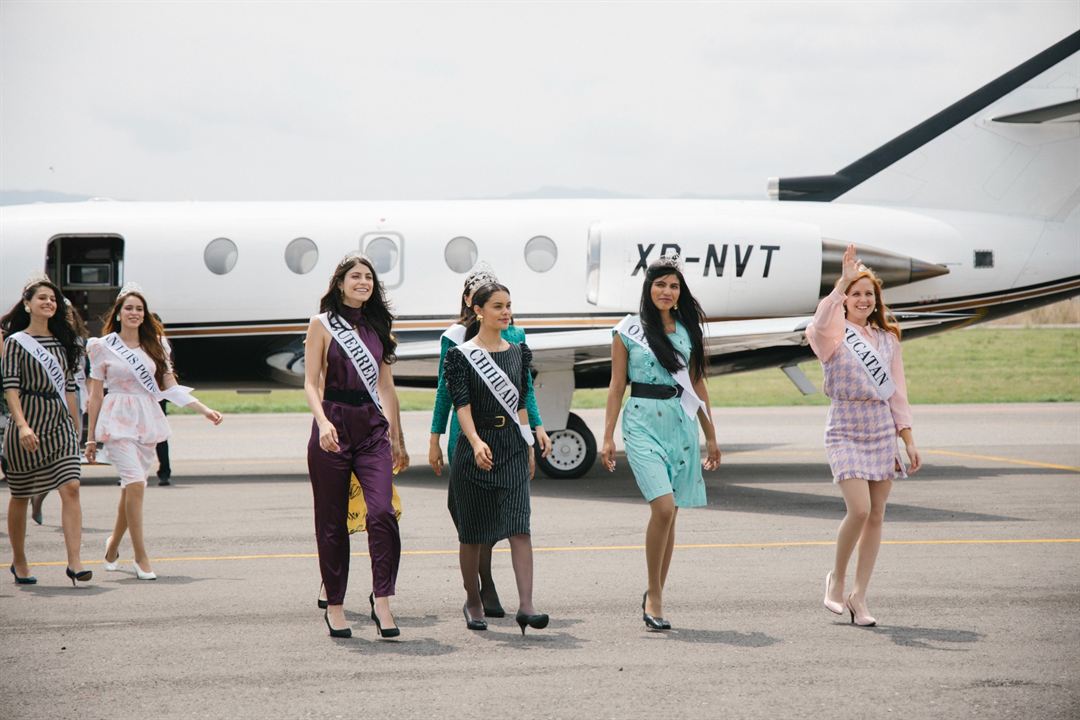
x: 736, y: 267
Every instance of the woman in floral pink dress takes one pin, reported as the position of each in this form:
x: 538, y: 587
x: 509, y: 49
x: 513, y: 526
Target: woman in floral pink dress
x: 858, y: 343
x: 131, y: 360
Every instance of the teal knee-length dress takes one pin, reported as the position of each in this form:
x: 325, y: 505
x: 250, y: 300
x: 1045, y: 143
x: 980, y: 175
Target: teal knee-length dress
x: 661, y: 441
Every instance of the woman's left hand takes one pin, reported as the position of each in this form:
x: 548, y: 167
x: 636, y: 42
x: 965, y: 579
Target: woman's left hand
x: 712, y: 455
x: 532, y: 464
x: 543, y: 441
x: 403, y: 459
x: 914, y: 461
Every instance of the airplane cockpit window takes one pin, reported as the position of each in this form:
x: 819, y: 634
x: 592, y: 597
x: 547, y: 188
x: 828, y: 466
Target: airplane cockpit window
x: 541, y: 253
x: 383, y: 253
x: 301, y: 255
x: 220, y: 255
x: 460, y: 254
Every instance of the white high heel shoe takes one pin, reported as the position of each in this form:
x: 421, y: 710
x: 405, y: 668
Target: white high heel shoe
x: 831, y: 605
x: 142, y: 574
x: 115, y: 564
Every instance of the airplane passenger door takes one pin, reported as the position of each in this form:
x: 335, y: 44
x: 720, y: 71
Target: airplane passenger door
x: 89, y: 270
x: 386, y: 252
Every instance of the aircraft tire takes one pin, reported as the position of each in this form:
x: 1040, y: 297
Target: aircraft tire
x: 573, y: 451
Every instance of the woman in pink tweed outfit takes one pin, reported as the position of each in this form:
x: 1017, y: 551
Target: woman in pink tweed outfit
x: 858, y: 343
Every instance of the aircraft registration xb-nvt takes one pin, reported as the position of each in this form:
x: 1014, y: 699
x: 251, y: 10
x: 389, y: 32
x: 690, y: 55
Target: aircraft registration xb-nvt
x: 970, y: 215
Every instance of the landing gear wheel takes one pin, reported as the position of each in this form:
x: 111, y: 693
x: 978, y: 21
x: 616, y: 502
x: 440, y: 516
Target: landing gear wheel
x: 573, y: 451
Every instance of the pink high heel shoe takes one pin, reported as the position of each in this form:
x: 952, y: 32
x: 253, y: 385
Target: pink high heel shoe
x: 832, y: 606
x: 856, y: 619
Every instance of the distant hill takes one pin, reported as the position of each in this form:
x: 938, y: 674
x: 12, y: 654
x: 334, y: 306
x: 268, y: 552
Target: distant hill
x: 23, y: 197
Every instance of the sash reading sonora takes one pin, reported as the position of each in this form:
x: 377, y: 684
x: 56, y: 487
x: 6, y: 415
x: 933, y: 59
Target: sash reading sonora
x: 46, y: 359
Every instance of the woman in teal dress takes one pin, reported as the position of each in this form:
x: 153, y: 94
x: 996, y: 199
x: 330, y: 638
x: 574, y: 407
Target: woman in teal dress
x: 444, y: 407
x: 661, y: 353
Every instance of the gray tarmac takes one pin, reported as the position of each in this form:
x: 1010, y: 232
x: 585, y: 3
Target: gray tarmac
x: 977, y: 589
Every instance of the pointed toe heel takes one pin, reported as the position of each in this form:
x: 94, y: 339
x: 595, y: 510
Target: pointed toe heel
x: 142, y: 574
x: 831, y: 605
x: 383, y: 632
x: 539, y: 621
x: 470, y: 622
x: 28, y: 580
x: 322, y: 604
x: 336, y: 632
x: 857, y: 619
x: 81, y: 576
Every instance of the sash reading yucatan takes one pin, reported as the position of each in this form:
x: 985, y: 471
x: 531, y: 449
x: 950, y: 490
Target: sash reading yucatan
x: 631, y: 327
x: 52, y: 366
x: 177, y: 394
x: 357, y: 352
x: 498, y: 383
x: 871, y: 363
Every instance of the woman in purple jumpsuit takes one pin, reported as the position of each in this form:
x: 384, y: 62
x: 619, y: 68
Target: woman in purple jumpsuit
x: 863, y: 422
x: 350, y: 390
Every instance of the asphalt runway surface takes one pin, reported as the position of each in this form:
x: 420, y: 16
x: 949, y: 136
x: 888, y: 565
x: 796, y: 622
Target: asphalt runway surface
x: 977, y: 589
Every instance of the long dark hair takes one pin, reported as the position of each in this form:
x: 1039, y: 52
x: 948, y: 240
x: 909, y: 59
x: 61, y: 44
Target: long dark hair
x: 480, y: 297
x: 19, y: 319
x: 376, y: 310
x: 150, y: 333
x: 689, y: 313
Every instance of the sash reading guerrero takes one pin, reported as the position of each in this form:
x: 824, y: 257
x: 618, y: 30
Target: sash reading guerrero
x: 497, y: 381
x: 455, y: 333
x: 357, y: 352
x: 177, y: 394
x: 870, y: 362
x: 631, y: 327
x: 52, y: 366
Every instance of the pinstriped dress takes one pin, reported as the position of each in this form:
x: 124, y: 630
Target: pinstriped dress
x: 490, y: 505
x: 56, y: 460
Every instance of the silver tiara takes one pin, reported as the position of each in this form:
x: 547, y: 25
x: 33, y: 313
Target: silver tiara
x: 670, y: 259
x: 481, y: 274
x: 352, y: 256
x: 130, y: 287
x: 36, y: 279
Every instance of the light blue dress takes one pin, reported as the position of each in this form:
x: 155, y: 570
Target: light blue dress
x: 661, y: 441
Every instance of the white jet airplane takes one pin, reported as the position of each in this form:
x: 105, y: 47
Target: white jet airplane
x: 970, y: 215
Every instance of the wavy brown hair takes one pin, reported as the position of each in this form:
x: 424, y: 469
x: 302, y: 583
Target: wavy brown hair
x: 882, y: 317
x: 150, y: 333
x: 19, y: 319
x: 376, y: 309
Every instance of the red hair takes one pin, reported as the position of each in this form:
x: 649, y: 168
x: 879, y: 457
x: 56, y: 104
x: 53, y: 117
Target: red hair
x: 881, y: 317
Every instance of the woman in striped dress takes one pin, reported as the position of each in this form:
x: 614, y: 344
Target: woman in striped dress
x: 444, y: 408
x: 493, y: 461
x: 42, y: 446
x: 865, y: 381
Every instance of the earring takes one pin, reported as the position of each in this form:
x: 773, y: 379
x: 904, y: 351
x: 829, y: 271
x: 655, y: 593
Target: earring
x: 479, y: 318
x: 117, y: 317
x: 26, y: 307
x: 675, y: 306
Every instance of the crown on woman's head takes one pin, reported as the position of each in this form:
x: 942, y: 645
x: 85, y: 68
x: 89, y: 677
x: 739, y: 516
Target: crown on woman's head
x: 36, y: 279
x: 669, y: 259
x: 481, y: 274
x: 128, y: 288
x: 353, y: 256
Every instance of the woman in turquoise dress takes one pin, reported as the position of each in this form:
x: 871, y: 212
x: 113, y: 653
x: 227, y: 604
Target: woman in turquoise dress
x: 444, y: 408
x: 661, y: 353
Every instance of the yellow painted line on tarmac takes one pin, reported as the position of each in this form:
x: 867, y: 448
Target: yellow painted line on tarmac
x: 602, y: 548
x: 997, y: 458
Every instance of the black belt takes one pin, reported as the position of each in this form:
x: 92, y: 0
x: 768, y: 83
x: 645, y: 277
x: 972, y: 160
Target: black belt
x: 655, y: 392
x: 348, y: 397
x: 47, y: 394
x: 493, y: 422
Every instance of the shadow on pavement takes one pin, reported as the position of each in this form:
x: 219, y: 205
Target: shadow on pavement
x: 719, y: 637
x: 928, y: 638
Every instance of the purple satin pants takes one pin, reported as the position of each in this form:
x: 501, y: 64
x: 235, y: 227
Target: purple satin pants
x: 364, y: 449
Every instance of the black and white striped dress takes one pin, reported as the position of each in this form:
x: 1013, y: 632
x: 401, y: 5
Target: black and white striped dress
x: 56, y: 460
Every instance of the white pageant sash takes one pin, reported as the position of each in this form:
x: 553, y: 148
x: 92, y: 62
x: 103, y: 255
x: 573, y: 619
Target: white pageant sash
x: 631, y: 327
x: 177, y: 394
x: 498, y: 383
x: 357, y: 352
x: 455, y: 333
x: 869, y: 360
x: 48, y: 361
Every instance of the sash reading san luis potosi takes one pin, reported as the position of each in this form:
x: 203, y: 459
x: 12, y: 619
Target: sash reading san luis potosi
x: 357, y: 352
x: 48, y: 361
x: 177, y: 394
x: 870, y: 362
x: 498, y: 383
x: 631, y: 327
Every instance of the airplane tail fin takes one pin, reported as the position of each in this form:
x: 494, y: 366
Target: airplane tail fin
x: 1012, y: 146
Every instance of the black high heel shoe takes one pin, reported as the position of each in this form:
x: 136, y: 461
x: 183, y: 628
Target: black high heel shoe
x: 538, y: 621
x: 472, y: 624
x: 323, y: 604
x: 388, y: 632
x: 652, y: 622
x: 81, y: 576
x: 334, y: 632
x: 494, y: 611
x: 28, y: 580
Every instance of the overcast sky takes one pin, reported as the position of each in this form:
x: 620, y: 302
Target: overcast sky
x: 350, y: 100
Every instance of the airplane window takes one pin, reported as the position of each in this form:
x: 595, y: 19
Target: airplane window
x: 460, y: 254
x: 383, y: 253
x: 541, y: 253
x: 301, y: 255
x: 220, y: 255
